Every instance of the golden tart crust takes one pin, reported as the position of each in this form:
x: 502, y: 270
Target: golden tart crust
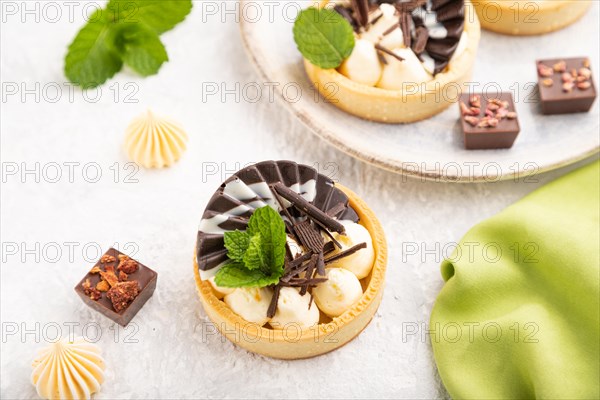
x: 323, y: 338
x: 398, y: 106
x: 531, y: 17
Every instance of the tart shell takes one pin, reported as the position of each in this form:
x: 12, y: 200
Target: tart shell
x: 290, y: 344
x: 531, y: 18
x: 416, y: 103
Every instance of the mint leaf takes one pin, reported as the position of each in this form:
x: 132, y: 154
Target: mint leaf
x: 323, y: 37
x: 236, y: 243
x: 256, y: 257
x: 141, y: 48
x: 90, y: 59
x: 125, y: 31
x: 158, y: 15
x: 258, y: 254
x: 236, y: 275
x: 269, y: 224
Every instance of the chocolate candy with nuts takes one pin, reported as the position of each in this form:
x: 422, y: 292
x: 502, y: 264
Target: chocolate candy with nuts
x: 488, y: 121
x: 565, y: 85
x: 117, y: 286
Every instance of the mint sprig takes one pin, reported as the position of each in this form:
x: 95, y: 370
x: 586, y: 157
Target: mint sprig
x: 323, y: 37
x: 257, y: 255
x: 236, y: 243
x: 125, y: 32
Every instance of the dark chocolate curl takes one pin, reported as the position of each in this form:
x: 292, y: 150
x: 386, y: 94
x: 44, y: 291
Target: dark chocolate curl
x: 422, y: 35
x: 361, y: 11
x: 347, y: 14
x: 405, y: 22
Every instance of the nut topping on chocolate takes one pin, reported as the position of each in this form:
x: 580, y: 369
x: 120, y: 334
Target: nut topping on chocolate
x: 495, y: 111
x: 107, y: 259
x: 494, y: 125
x: 127, y: 265
x: 111, y: 292
x: 122, y: 294
x: 566, y: 87
x: 90, y: 291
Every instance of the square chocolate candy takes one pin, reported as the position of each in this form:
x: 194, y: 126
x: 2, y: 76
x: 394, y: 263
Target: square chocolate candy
x: 117, y: 286
x: 488, y: 121
x: 566, y: 85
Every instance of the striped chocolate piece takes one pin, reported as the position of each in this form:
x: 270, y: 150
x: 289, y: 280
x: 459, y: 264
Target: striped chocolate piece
x: 250, y: 188
x: 432, y: 28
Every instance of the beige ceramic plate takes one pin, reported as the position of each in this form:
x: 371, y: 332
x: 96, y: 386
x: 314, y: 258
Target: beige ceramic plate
x: 433, y: 149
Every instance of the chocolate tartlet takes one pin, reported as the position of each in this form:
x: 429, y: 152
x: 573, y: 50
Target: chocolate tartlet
x: 306, y: 201
x: 436, y: 33
x: 529, y: 17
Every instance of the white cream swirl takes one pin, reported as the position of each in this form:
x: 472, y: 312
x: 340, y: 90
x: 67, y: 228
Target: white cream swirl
x: 68, y: 370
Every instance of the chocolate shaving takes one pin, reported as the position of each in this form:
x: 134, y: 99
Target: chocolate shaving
x: 333, y: 240
x: 328, y: 248
x: 347, y: 14
x: 283, y: 207
x: 304, y: 282
x: 388, y: 51
x: 404, y: 22
x: 377, y: 18
x: 321, y: 265
x: 381, y: 58
x: 312, y: 264
x: 300, y: 259
x: 309, y: 209
x: 422, y: 36
x: 390, y: 29
x: 346, y: 253
x: 273, y: 305
x: 361, y: 11
x: 309, y: 236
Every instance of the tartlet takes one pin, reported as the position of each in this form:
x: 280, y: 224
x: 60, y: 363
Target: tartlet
x: 529, y: 17
x: 329, y: 333
x: 414, y: 101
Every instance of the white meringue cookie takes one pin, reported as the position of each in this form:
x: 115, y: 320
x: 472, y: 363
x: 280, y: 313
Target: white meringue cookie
x: 155, y: 142
x: 209, y: 276
x: 292, y: 308
x: 68, y: 370
x: 338, y: 293
x: 361, y: 262
x: 398, y: 73
x: 250, y: 303
x: 388, y: 19
x: 363, y: 65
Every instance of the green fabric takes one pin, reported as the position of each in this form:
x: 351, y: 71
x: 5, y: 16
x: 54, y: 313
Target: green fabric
x: 544, y: 297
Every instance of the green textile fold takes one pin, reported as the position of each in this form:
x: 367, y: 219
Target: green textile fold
x: 518, y: 316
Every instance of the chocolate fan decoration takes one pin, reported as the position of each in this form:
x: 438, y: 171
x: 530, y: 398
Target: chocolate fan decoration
x: 273, y: 183
x: 430, y: 27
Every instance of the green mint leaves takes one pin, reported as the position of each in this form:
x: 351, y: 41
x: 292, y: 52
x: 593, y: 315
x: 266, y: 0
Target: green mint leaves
x: 236, y: 243
x: 236, y: 275
x: 323, y: 37
x: 91, y: 60
x: 126, y: 31
x: 257, y: 255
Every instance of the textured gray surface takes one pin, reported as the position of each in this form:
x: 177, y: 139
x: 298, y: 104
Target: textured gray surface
x: 158, y: 216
